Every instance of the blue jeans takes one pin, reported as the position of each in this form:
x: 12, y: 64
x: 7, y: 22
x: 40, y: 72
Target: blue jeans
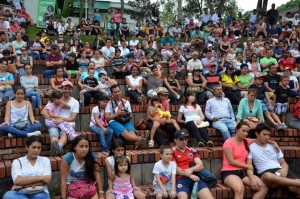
x: 35, y: 98
x: 19, y: 195
x: 105, y: 138
x: 47, y: 74
x: 34, y: 55
x: 20, y: 133
x: 226, y: 126
x: 8, y: 93
x: 21, y: 71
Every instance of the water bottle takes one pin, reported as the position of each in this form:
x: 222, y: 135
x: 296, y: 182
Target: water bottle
x: 227, y: 31
x: 194, y: 191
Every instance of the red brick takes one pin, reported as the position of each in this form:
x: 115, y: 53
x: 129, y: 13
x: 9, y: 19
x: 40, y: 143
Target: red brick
x: 53, y: 163
x: 58, y: 159
x: 2, y: 144
x: 7, y: 143
x: 2, y: 170
x: 7, y: 168
x: 11, y: 157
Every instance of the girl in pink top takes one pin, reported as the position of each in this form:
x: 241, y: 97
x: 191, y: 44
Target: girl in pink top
x: 234, y: 170
x: 122, y: 184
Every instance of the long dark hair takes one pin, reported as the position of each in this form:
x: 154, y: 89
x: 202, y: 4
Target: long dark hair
x: 120, y: 159
x: 238, y: 127
x: 116, y: 143
x: 187, y: 94
x: 33, y: 139
x: 89, y: 160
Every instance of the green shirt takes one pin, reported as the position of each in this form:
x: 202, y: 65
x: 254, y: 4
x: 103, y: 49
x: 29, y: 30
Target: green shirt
x: 108, y: 17
x: 267, y: 60
x: 245, y: 79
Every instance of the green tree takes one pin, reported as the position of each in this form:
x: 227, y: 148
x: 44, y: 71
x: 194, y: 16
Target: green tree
x: 169, y: 15
x: 140, y: 9
x: 122, y: 7
x: 288, y: 5
x: 67, y: 8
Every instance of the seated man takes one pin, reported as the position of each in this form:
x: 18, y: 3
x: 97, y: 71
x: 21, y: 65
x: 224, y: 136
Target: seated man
x: 53, y: 61
x: 269, y: 163
x: 185, y: 157
x: 219, y: 110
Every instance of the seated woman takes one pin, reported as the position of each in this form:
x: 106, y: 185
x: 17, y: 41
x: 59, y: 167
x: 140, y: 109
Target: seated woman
x: 254, y: 65
x: 245, y: 79
x: 31, y: 85
x: 196, y: 82
x: 25, y: 177
x: 6, y: 83
x: 234, y: 171
x: 231, y: 85
x: 134, y: 83
x: 100, y: 62
x: 46, y: 50
x: 80, y: 168
x: 194, y: 116
x: 250, y: 109
x: 19, y: 119
x: 174, y: 88
x: 23, y: 60
x: 56, y: 82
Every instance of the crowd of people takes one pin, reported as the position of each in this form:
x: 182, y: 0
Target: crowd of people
x: 259, y: 75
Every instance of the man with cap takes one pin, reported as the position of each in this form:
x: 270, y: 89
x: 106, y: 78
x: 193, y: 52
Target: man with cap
x: 219, y: 110
x: 57, y: 137
x: 188, y: 162
x: 293, y: 82
x: 288, y: 62
x: 53, y: 60
x: 213, y: 79
x: 5, y: 44
x: 209, y: 60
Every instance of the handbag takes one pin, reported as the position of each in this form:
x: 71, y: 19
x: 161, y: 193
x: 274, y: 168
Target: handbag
x: 29, y: 190
x: 194, y: 89
x: 141, y: 124
x: 81, y: 189
x: 252, y: 122
x: 121, y: 119
x: 21, y: 124
x: 202, y: 124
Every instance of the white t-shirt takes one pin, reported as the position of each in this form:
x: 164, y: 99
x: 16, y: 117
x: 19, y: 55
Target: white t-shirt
x: 190, y: 113
x: 296, y: 52
x: 164, y: 173
x: 109, y: 107
x: 192, y: 64
x: 108, y: 51
x: 294, y: 79
x: 134, y: 81
x: 264, y: 158
x: 66, y: 113
x: 42, y: 167
x: 100, y: 115
x: 98, y: 62
x: 133, y: 43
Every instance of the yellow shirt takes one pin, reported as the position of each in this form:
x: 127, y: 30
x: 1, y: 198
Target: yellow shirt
x: 228, y: 80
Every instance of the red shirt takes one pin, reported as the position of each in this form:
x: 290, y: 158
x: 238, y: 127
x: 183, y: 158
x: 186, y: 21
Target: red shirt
x: 184, y: 159
x: 296, y: 111
x: 288, y: 62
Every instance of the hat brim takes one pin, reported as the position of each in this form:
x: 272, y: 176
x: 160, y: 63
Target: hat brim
x: 182, y: 136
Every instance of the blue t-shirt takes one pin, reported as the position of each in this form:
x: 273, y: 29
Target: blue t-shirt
x: 164, y: 41
x: 97, y: 17
x: 6, y: 77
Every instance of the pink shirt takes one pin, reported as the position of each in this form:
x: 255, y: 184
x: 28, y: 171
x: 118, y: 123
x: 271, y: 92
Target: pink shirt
x: 239, y: 153
x: 117, y: 17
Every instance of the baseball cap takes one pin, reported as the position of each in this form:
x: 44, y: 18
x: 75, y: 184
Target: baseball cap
x: 286, y: 68
x: 285, y: 51
x: 60, y: 33
x: 211, y: 65
x: 162, y: 90
x: 180, y: 134
x: 54, y: 46
x: 67, y: 83
x: 209, y: 45
x: 259, y: 76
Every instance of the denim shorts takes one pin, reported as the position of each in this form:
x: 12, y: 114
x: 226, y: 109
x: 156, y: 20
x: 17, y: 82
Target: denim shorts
x: 185, y: 184
x: 119, y: 128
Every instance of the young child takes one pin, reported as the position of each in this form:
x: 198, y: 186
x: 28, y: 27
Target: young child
x: 90, y: 84
x: 53, y: 109
x: 267, y: 105
x: 105, y: 84
x: 118, y: 149
x: 152, y: 109
x: 173, y: 63
x: 281, y: 98
x: 83, y: 63
x: 164, y: 175
x: 99, y: 125
x: 71, y: 66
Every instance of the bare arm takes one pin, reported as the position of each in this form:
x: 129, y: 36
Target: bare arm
x: 63, y: 178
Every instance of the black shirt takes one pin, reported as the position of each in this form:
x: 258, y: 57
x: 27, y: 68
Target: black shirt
x: 273, y: 81
x: 72, y: 66
x: 261, y: 91
x: 272, y: 16
x: 92, y: 82
x: 282, y: 94
x: 212, y: 80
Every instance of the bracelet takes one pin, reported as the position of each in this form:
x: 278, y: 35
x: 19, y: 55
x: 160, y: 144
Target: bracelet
x: 101, y: 192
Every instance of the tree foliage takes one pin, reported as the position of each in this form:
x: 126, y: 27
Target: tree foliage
x: 169, y: 14
x: 141, y: 9
x: 288, y: 5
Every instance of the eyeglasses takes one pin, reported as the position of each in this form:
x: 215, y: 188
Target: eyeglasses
x: 23, y: 49
x: 27, y: 68
x: 254, y: 57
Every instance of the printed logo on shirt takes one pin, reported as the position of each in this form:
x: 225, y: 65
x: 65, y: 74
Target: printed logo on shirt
x: 191, y: 155
x: 179, y: 186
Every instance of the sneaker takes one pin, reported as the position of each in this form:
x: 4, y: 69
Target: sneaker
x: 54, y: 147
x: 284, y: 126
x: 58, y: 152
x: 37, y: 133
x: 210, y: 144
x: 147, y: 135
x: 278, y: 126
x: 201, y: 144
x: 140, y: 143
x: 151, y: 143
x: 11, y: 135
x: 140, y: 101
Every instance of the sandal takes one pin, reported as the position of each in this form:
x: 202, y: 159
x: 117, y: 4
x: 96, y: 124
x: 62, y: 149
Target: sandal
x: 210, y: 144
x: 201, y: 144
x: 151, y: 143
